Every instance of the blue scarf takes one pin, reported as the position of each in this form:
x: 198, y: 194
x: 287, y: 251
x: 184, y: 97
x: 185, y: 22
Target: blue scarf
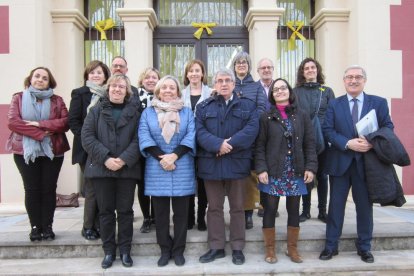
x: 34, y: 111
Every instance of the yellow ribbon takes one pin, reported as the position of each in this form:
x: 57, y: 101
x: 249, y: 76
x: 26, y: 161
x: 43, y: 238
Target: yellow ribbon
x: 295, y: 32
x: 103, y: 26
x: 201, y: 27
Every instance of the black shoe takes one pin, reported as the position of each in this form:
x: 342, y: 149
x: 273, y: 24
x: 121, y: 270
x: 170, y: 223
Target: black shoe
x: 366, y: 255
x: 164, y: 259
x: 260, y: 213
x: 327, y: 254
x: 48, y: 233
x: 201, y: 224
x: 211, y: 255
x: 190, y: 226
x: 249, y: 221
x: 126, y: 260
x: 35, y: 234
x: 304, y: 216
x: 179, y: 260
x: 107, y: 261
x: 146, y: 226
x: 277, y: 214
x: 89, y: 234
x: 238, y: 257
x: 323, y: 217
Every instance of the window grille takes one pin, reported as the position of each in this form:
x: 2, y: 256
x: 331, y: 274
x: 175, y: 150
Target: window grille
x: 288, y: 59
x: 95, y: 48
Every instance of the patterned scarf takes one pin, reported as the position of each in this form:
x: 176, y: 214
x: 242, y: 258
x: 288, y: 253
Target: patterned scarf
x: 36, y: 111
x: 168, y: 117
x: 97, y: 91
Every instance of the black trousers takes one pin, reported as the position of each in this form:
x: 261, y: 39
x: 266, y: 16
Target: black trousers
x: 40, y: 182
x: 115, y: 194
x: 174, y: 246
x: 201, y: 201
x: 90, y: 210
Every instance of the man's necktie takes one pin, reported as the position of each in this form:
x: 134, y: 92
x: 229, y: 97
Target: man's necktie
x: 354, y: 114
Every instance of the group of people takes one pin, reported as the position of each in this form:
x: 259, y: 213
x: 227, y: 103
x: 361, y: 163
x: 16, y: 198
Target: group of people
x: 252, y: 141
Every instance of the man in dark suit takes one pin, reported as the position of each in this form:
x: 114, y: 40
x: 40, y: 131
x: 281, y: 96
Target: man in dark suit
x: 346, y: 164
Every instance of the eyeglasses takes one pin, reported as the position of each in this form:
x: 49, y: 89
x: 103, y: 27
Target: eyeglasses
x: 241, y: 62
x: 279, y: 89
x: 118, y: 65
x: 357, y: 77
x: 225, y: 81
x: 266, y: 68
x: 120, y: 86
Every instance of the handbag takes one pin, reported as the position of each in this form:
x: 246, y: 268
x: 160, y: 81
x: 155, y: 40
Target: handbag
x: 320, y: 141
x: 67, y: 200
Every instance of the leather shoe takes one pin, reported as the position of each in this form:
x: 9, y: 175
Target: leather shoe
x: 323, y: 217
x: 211, y: 255
x: 238, y: 257
x: 249, y: 222
x: 126, y: 260
x: 107, y: 261
x: 327, y: 254
x: 164, y: 259
x: 366, y: 256
x: 304, y: 217
x: 89, y: 234
x: 179, y: 260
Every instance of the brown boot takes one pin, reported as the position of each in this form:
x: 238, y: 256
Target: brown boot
x: 292, y: 244
x: 269, y: 240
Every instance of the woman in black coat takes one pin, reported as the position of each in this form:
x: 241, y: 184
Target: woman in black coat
x: 285, y: 160
x: 109, y: 137
x: 95, y: 76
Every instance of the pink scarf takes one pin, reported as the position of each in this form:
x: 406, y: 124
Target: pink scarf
x: 168, y: 117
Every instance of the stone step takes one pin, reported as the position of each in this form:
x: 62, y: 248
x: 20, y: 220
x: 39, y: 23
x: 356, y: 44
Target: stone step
x: 396, y: 262
x: 70, y: 244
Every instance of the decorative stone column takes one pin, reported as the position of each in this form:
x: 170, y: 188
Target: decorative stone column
x: 68, y: 38
x: 331, y: 29
x: 139, y: 24
x: 262, y: 24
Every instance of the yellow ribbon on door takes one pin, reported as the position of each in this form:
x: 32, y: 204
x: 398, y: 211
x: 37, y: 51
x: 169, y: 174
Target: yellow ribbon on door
x: 201, y: 26
x: 103, y: 26
x: 295, y: 26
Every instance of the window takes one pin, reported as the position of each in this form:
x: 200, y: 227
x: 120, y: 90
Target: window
x: 103, y: 11
x: 299, y: 12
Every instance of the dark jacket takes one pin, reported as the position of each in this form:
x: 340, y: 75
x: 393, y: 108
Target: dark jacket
x: 252, y: 90
x: 57, y: 124
x: 215, y: 122
x: 271, y: 143
x: 102, y: 138
x: 81, y: 98
x: 382, y: 181
x: 310, y: 94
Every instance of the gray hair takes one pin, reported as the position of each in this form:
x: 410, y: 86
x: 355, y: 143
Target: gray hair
x: 161, y: 82
x: 364, y: 73
x: 264, y: 59
x: 224, y: 72
x: 240, y: 56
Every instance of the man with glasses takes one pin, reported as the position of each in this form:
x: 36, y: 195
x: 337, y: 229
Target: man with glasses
x: 346, y: 164
x: 120, y: 66
x: 226, y: 127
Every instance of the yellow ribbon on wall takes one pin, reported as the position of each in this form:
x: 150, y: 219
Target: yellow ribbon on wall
x: 291, y: 25
x: 201, y: 27
x: 103, y: 26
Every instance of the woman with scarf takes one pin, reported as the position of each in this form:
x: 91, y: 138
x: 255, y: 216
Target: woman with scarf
x: 95, y: 75
x: 109, y: 136
x: 285, y: 161
x: 38, y: 120
x: 195, y: 79
x: 167, y: 141
x: 146, y: 83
